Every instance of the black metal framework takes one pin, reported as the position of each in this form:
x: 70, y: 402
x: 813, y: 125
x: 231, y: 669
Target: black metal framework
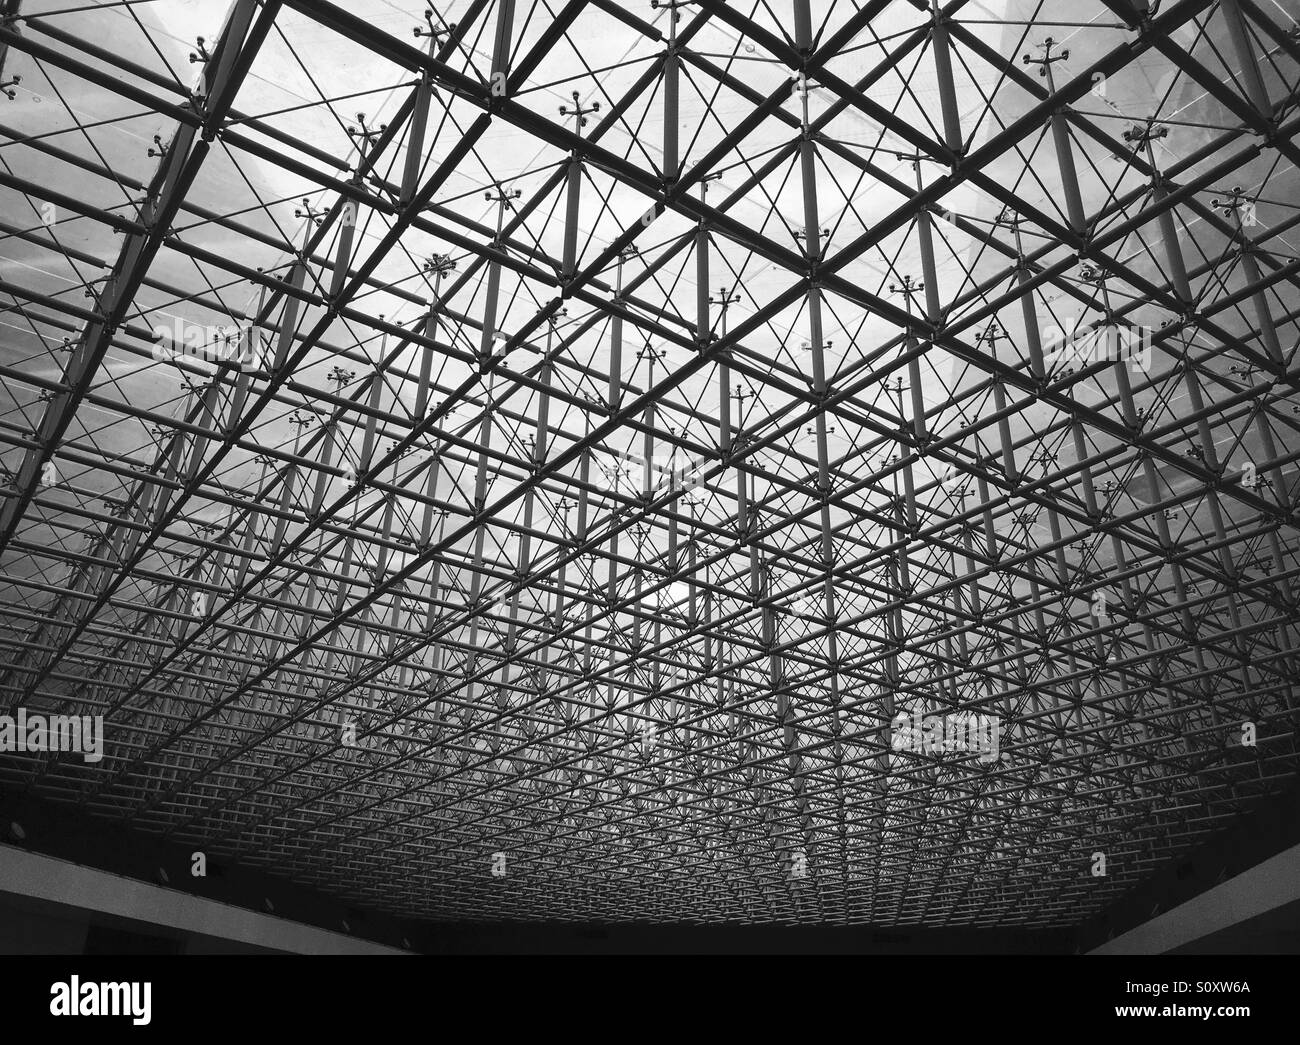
x: 538, y: 497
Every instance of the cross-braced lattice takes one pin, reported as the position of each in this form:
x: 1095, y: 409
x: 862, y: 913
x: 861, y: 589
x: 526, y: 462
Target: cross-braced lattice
x: 520, y: 458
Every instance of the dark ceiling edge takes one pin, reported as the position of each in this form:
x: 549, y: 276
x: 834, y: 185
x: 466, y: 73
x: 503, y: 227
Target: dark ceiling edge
x: 63, y: 832
x: 1262, y: 831
x: 134, y: 935
x: 637, y: 938
x: 60, y: 831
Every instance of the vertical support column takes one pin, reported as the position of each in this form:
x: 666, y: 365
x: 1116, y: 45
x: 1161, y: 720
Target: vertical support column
x: 289, y: 482
x: 440, y: 265
x: 1207, y: 453
x: 252, y: 523
x: 348, y: 212
x: 502, y: 198
x: 614, y: 398
x: 343, y: 246
x: 435, y: 588
x: 672, y: 73
x: 1061, y: 138
x: 345, y: 567
x: 1029, y: 315
x: 372, y: 418
x: 1141, y: 137
x: 674, y: 564
x: 991, y: 335
x: 692, y: 563
x: 1085, y: 473
x: 649, y: 477
x: 430, y: 493
x: 569, y: 259
x: 501, y: 48
x: 939, y: 41
x: 1269, y: 450
x: 812, y: 237
x: 544, y: 375
x: 323, y: 471
x: 1259, y: 298
x: 382, y: 551
x: 611, y: 595
x: 289, y: 319
x: 419, y: 119
x: 1246, y: 58
x: 908, y: 288
x: 723, y: 300
x: 584, y: 496
x: 990, y: 531
x: 1233, y: 206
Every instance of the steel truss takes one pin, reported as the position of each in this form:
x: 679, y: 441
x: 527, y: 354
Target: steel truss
x: 539, y: 498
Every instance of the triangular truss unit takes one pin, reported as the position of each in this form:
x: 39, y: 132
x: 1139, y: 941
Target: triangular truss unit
x: 522, y: 459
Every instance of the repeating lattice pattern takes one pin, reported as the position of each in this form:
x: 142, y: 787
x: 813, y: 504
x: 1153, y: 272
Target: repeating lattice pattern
x: 519, y: 459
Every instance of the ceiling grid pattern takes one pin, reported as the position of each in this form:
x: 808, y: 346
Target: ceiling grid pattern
x: 519, y: 459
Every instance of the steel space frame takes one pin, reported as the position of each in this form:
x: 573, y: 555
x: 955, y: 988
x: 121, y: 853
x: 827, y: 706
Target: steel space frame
x: 591, y: 587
